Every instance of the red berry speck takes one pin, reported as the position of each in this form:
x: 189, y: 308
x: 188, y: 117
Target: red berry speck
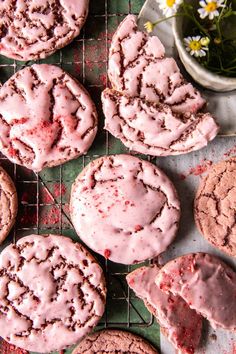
x: 107, y: 253
x: 138, y: 228
x: 12, y: 152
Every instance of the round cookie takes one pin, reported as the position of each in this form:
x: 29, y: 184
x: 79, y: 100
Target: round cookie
x: 46, y: 117
x: 52, y: 293
x: 215, y: 206
x: 32, y: 30
x: 8, y: 204
x: 114, y: 341
x: 124, y: 208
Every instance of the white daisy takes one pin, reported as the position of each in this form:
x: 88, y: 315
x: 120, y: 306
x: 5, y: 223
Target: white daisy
x: 195, y: 47
x: 169, y: 7
x: 209, y: 8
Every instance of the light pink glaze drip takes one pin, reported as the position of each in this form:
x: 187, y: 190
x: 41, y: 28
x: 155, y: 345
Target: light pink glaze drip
x: 124, y: 208
x: 46, y: 117
x: 206, y: 283
x: 179, y: 323
x: 52, y: 293
x: 154, y: 129
x: 137, y: 67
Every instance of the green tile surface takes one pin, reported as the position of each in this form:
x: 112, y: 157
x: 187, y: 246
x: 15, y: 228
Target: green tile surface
x: 44, y: 198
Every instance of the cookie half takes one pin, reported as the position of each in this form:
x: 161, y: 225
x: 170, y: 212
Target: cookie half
x: 8, y: 204
x: 114, y: 341
x: 52, y: 293
x: 125, y: 208
x: 137, y: 67
x: 154, y: 129
x: 46, y: 117
x: 215, y: 206
x: 206, y: 283
x: 178, y: 322
x: 32, y: 30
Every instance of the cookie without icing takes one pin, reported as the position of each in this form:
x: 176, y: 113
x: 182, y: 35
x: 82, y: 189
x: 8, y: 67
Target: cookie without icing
x: 46, y: 117
x: 114, y: 341
x: 154, y: 129
x: 137, y: 67
x: 206, y: 283
x: 215, y: 206
x: 124, y: 208
x: 8, y: 204
x: 31, y: 30
x: 52, y: 293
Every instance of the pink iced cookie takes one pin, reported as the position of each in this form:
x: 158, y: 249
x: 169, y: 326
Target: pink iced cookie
x: 52, y: 293
x: 46, y: 117
x: 124, y: 208
x: 154, y: 129
x: 32, y: 30
x: 137, y: 67
x: 206, y: 283
x: 178, y: 322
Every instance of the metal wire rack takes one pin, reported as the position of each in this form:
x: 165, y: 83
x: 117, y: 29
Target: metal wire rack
x: 44, y: 197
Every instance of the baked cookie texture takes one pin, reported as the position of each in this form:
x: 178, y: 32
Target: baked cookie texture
x: 52, y: 293
x: 31, y: 30
x: 124, y: 208
x: 46, y: 117
x: 154, y: 129
x: 215, y: 206
x: 207, y: 285
x: 178, y: 322
x: 114, y: 341
x: 8, y: 204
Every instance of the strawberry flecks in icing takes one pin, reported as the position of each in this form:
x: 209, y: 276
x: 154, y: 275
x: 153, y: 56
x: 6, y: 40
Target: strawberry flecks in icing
x: 206, y: 283
x: 154, y: 129
x: 6, y: 348
x: 107, y: 253
x: 46, y: 117
x: 137, y: 66
x: 178, y: 322
x: 134, y: 231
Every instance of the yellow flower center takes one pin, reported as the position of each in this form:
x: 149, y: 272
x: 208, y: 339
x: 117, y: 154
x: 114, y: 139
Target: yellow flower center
x: 195, y: 45
x: 211, y: 6
x: 170, y: 3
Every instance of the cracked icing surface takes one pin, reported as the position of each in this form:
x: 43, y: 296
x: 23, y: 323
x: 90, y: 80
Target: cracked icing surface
x: 52, y: 293
x: 206, y: 283
x: 178, y: 322
x: 31, y: 30
x: 154, y: 129
x: 124, y: 208
x: 137, y: 66
x: 114, y: 342
x: 46, y: 117
x: 8, y: 204
x: 215, y: 206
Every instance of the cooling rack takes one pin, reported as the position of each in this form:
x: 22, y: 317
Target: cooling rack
x: 44, y: 197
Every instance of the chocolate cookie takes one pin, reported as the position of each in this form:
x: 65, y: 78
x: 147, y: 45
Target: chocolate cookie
x: 114, y: 341
x: 178, y: 322
x: 206, y: 283
x: 8, y: 204
x: 52, y: 293
x: 154, y: 129
x: 137, y: 66
x: 31, y: 30
x: 124, y: 208
x: 46, y: 117
x: 215, y: 206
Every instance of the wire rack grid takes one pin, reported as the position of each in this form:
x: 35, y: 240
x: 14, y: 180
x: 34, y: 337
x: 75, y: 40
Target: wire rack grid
x: 44, y: 197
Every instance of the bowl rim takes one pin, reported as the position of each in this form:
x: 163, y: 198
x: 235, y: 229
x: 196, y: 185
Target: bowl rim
x: 191, y: 61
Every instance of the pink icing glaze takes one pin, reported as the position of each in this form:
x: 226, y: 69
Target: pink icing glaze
x: 154, y: 129
x: 137, y: 67
x: 46, y: 117
x: 37, y: 28
x: 124, y: 208
x: 179, y: 323
x: 52, y: 292
x: 206, y: 283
